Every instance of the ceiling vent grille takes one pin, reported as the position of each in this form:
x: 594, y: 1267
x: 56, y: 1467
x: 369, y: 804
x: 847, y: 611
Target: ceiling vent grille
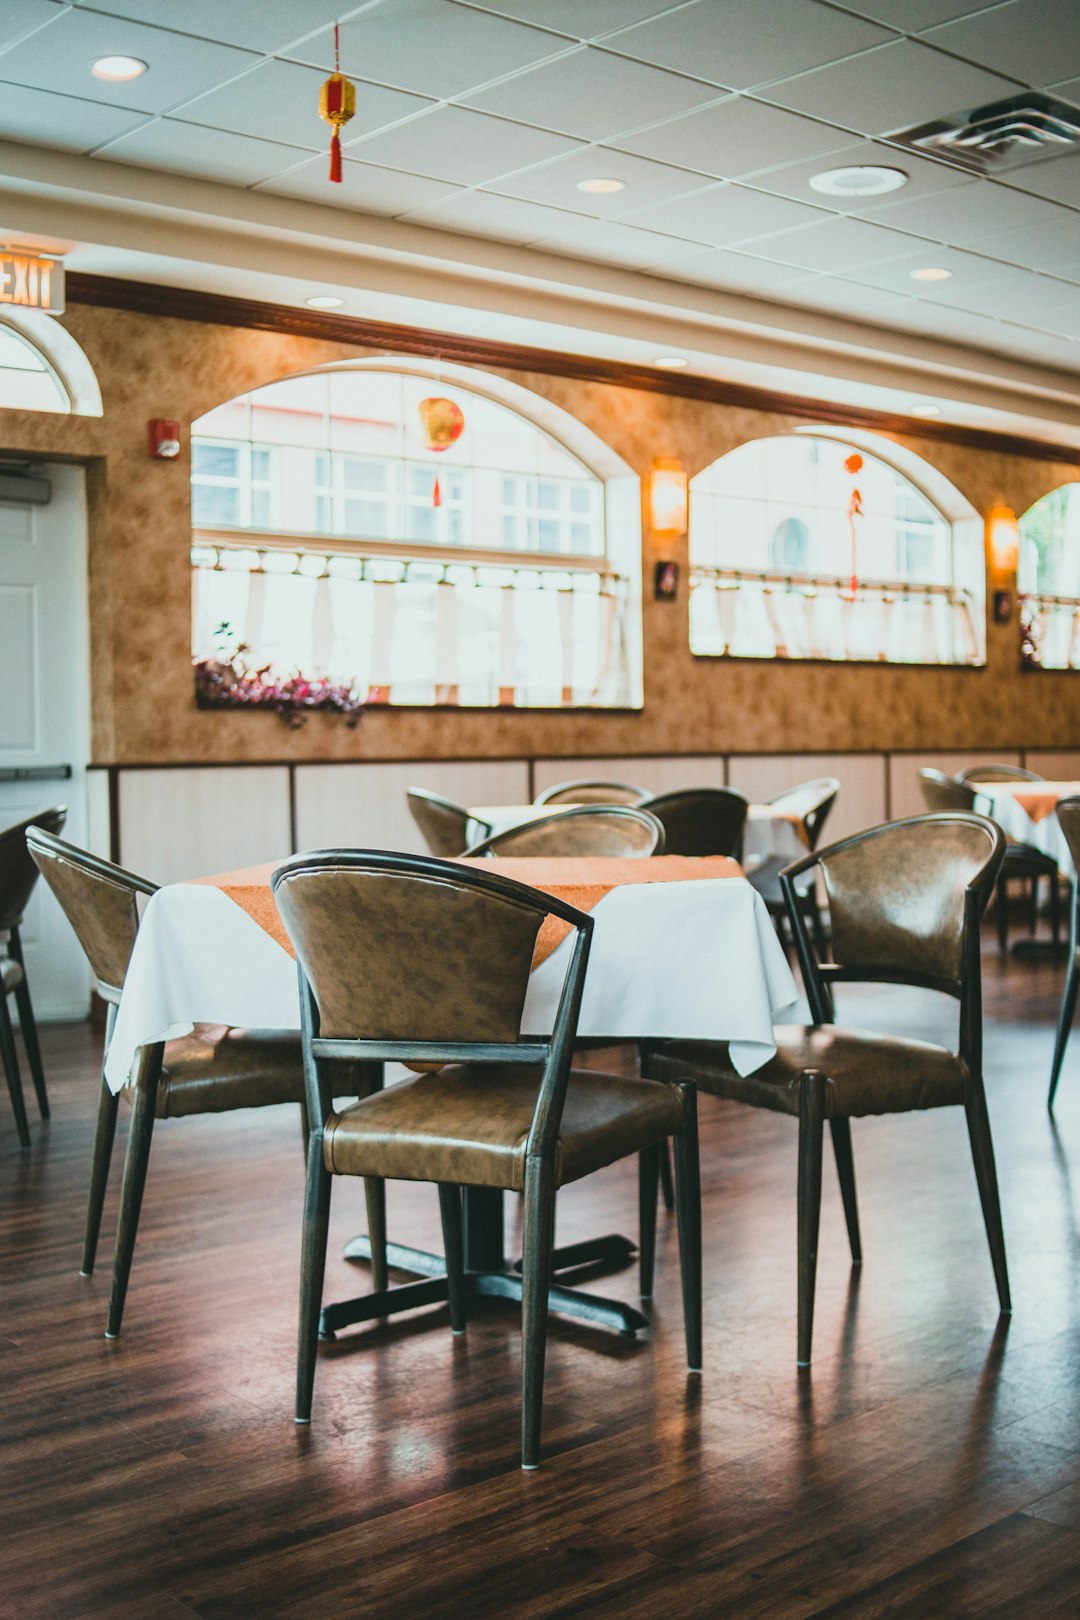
x: 1028, y: 128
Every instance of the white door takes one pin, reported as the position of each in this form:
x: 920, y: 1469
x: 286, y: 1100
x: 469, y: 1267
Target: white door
x: 44, y: 716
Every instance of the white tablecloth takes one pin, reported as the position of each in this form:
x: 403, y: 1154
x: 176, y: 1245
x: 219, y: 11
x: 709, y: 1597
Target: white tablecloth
x: 697, y: 960
x: 997, y: 800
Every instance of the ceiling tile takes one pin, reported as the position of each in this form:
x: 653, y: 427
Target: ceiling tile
x: 556, y: 183
x: 363, y: 186
x: 912, y: 15
x: 924, y: 176
x: 280, y: 101
x: 584, y: 19
x: 593, y: 94
x: 258, y: 25
x: 1058, y: 180
x: 615, y: 244
x: 58, y: 58
x: 967, y: 270
x: 838, y: 243
x: 735, y: 272
x: 735, y: 137
x: 433, y: 47
x: 735, y: 45
x: 178, y: 148
x: 1037, y: 40
x: 505, y: 219
x: 1050, y: 306
x: 1053, y: 248
x: 21, y: 17
x: 967, y: 213
x: 725, y: 213
x: 890, y: 89
x: 454, y: 143
x: 46, y: 119
x: 831, y: 296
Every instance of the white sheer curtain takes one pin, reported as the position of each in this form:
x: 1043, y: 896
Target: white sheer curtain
x: 1051, y: 629
x: 422, y: 632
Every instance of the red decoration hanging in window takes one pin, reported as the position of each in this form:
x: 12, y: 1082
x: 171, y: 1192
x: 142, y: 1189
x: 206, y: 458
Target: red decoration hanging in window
x: 443, y: 423
x: 853, y: 465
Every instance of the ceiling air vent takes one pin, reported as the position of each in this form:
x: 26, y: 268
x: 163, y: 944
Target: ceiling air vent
x: 1029, y: 128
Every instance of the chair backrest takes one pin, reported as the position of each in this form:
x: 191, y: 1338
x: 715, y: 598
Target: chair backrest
x: 998, y: 773
x: 444, y: 824
x: 100, y: 901
x: 811, y: 802
x: 1068, y: 814
x: 591, y: 792
x: 18, y: 874
x: 587, y: 829
x: 700, y: 821
x: 941, y: 792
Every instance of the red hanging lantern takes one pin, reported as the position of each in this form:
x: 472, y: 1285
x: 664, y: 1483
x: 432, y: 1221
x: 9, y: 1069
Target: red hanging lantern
x: 443, y: 423
x: 337, y: 104
x: 853, y: 465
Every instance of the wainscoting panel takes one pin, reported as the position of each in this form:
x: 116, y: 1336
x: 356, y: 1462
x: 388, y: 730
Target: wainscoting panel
x: 185, y: 823
x: 364, y: 806
x: 1061, y: 765
x: 98, y: 828
x: 860, y: 803
x: 658, y: 774
x: 907, y: 799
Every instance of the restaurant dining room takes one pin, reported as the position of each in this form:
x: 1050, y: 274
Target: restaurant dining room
x: 539, y: 809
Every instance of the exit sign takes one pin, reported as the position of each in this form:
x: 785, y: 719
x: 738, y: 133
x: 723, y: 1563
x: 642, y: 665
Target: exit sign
x: 31, y: 280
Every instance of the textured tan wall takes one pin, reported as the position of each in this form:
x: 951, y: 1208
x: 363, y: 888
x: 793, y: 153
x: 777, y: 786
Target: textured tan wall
x: 143, y: 703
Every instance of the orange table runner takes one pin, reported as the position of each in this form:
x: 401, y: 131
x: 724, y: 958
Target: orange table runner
x: 1037, y: 799
x: 580, y: 881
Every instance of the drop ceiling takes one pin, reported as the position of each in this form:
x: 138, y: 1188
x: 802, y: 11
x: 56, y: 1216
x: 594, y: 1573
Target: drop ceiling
x: 476, y: 119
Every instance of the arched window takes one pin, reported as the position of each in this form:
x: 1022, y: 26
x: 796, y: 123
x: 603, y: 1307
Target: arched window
x: 27, y: 380
x: 335, y: 535
x: 808, y: 546
x: 1048, y: 580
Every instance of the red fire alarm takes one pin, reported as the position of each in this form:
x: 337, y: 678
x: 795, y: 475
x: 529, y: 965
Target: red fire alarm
x: 164, y: 440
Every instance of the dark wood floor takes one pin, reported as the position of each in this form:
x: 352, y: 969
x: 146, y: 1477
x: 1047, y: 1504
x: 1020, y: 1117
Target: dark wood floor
x: 929, y: 1465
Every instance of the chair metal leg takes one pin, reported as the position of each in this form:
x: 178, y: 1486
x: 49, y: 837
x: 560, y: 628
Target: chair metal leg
x: 131, y: 1194
x: 648, y: 1194
x: 11, y: 1070
x: 845, y: 1170
x: 667, y: 1181
x: 28, y: 1025
x: 1001, y: 912
x: 539, y: 1232
x: 1065, y: 1020
x: 375, y: 1203
x: 811, y: 1137
x: 982, y: 1153
x: 312, y: 1268
x: 99, y: 1174
x: 453, y: 1230
x: 688, y: 1203
x: 1055, y: 908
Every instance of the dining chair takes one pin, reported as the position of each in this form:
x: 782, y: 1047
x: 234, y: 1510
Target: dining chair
x: 587, y: 829
x: 998, y: 773
x: 591, y: 792
x: 1068, y: 814
x: 700, y: 821
x: 407, y: 958
x: 906, y: 901
x: 809, y: 802
x: 942, y: 792
x: 211, y: 1071
x: 18, y: 874
x: 445, y: 825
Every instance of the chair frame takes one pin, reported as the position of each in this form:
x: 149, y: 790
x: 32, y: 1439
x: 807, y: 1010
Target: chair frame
x: 491, y: 845
x: 555, y: 1055
x: 1067, y: 1008
x: 441, y: 802
x: 557, y: 794
x: 730, y: 796
x: 45, y: 820
x: 974, y: 774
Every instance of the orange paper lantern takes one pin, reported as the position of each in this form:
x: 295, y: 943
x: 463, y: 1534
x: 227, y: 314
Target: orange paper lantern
x: 442, y: 421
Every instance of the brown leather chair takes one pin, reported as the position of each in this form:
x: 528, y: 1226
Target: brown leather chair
x: 410, y: 959
x: 445, y: 825
x: 811, y: 802
x: 211, y: 1071
x: 998, y: 773
x: 906, y: 901
x: 18, y: 874
x: 1068, y: 814
x: 700, y: 821
x: 587, y: 829
x: 591, y: 792
x: 943, y: 792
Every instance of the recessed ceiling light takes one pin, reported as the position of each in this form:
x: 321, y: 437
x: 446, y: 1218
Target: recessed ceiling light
x: 864, y: 181
x: 117, y: 68
x: 924, y: 410
x: 932, y: 272
x: 671, y: 362
x: 324, y: 301
x: 601, y: 187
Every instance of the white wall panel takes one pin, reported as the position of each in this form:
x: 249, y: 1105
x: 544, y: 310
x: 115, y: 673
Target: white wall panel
x: 179, y: 824
x: 860, y: 802
x: 907, y: 799
x: 364, y: 807
x: 658, y: 774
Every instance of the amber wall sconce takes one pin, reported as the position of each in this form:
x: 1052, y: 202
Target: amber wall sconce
x: 668, y: 497
x: 1003, y: 545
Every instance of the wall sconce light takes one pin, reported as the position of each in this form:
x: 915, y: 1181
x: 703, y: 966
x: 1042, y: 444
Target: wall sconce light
x: 668, y: 497
x: 1003, y: 534
x: 163, y: 439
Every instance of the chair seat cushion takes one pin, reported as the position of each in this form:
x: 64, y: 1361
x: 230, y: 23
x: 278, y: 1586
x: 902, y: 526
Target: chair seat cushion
x: 865, y: 1074
x: 214, y: 1070
x: 11, y: 974
x: 1024, y: 860
x: 468, y: 1123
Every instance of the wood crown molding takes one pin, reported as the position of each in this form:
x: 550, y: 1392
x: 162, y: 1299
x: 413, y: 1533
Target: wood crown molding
x: 215, y: 309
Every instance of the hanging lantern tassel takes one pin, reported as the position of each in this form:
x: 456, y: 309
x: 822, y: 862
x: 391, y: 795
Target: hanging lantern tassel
x: 337, y: 104
x: 436, y: 493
